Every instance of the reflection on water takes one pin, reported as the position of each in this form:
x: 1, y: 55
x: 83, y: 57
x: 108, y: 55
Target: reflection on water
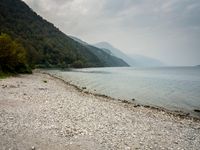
x: 176, y: 88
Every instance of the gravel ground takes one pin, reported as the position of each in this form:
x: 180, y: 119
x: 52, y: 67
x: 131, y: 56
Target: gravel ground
x: 40, y: 112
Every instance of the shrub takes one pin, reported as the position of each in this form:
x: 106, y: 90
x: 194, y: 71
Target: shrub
x: 12, y: 56
x: 78, y: 64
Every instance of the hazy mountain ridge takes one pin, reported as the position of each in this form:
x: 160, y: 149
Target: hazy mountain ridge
x: 116, y: 52
x: 144, y: 61
x: 131, y: 59
x: 78, y: 40
x: 103, y: 54
x: 46, y: 45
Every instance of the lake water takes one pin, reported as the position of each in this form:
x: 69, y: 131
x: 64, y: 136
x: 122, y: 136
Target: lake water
x: 174, y: 88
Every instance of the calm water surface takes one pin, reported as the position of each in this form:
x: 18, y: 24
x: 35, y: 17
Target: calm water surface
x: 175, y: 88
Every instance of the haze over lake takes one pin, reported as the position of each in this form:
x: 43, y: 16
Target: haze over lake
x: 175, y: 88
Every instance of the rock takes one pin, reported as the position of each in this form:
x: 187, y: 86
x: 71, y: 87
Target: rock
x: 83, y: 88
x: 125, y: 101
x: 45, y: 81
x: 86, y: 92
x: 175, y: 142
x: 147, y: 106
x: 33, y: 148
x: 4, y: 86
x: 12, y: 86
x: 42, y: 88
x: 136, y: 105
x: 197, y: 110
x: 11, y: 118
x: 133, y: 99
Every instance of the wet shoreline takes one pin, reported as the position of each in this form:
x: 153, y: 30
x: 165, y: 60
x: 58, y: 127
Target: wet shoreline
x: 176, y: 113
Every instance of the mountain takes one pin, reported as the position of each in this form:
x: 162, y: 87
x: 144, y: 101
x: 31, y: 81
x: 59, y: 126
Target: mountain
x: 46, y: 45
x: 115, y: 52
x: 78, y: 40
x: 105, y: 56
x: 131, y: 59
x: 144, y: 61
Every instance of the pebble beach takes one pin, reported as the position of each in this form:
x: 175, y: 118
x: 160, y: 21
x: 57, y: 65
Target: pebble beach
x: 39, y: 111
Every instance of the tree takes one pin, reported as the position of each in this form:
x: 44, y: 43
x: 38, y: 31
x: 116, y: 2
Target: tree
x: 78, y: 64
x: 12, y: 56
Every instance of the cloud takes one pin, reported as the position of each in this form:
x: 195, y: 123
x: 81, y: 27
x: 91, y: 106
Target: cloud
x: 164, y: 29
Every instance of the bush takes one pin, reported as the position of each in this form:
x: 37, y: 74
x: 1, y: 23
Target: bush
x: 12, y: 56
x: 78, y: 64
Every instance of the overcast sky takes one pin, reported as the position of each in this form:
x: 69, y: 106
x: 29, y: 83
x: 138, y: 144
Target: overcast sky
x: 168, y: 30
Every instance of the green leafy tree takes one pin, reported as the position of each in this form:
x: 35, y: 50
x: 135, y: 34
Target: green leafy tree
x: 78, y: 64
x: 12, y: 56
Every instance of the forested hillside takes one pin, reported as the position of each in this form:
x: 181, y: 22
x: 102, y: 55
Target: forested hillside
x: 46, y: 45
x: 103, y: 55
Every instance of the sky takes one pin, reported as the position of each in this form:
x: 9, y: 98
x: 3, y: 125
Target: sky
x: 168, y: 30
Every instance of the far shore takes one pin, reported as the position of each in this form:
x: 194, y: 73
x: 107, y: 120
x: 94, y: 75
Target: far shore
x: 41, y: 111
